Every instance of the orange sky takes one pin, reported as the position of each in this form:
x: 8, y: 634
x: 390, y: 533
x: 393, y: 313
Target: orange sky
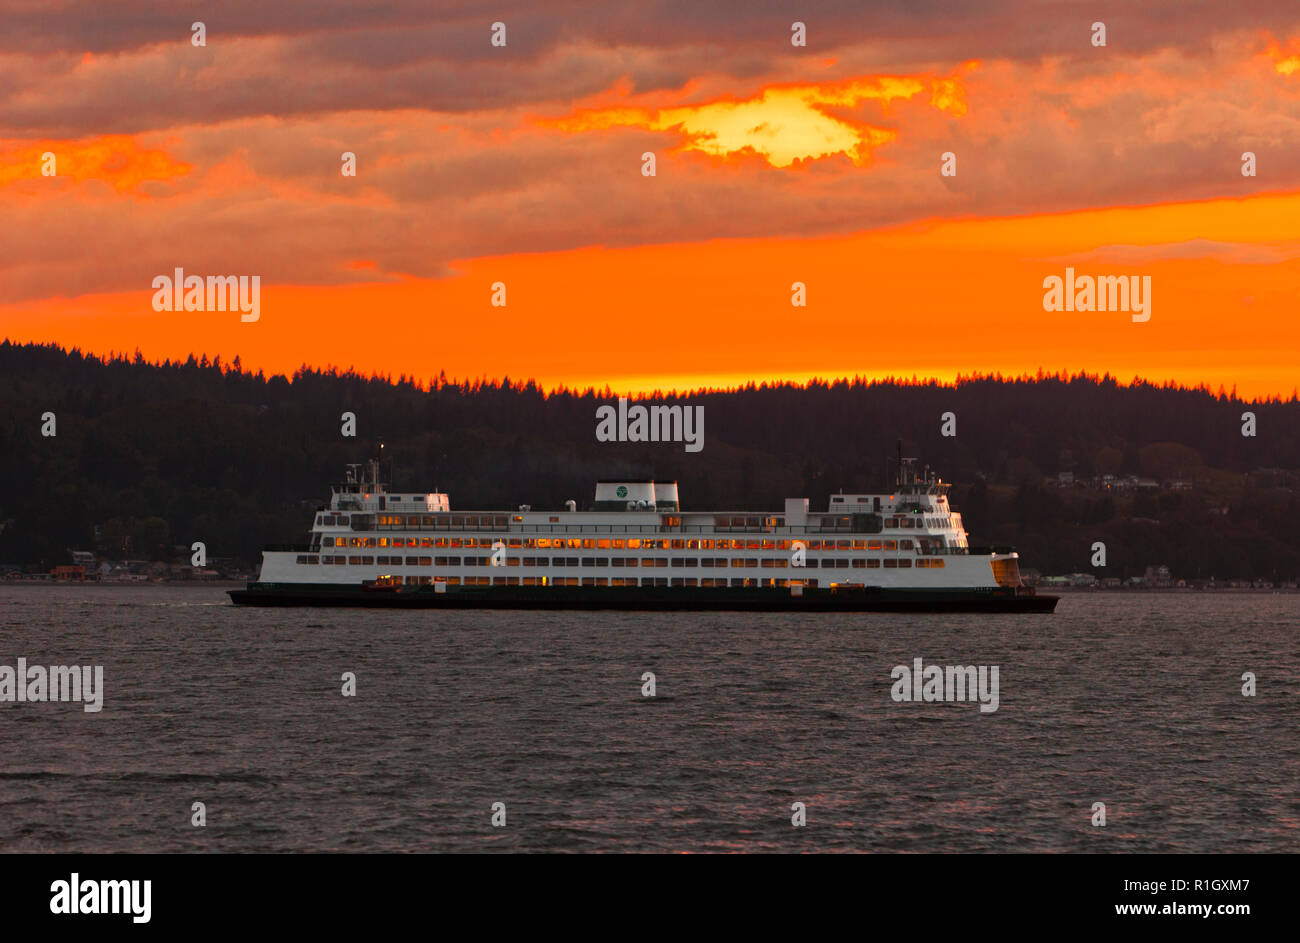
x: 823, y: 171
x: 935, y: 300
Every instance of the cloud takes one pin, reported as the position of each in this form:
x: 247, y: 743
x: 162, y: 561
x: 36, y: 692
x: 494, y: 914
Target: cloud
x: 540, y: 152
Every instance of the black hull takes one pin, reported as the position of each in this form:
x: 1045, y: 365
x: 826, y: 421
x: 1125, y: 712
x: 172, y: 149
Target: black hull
x: 665, y: 599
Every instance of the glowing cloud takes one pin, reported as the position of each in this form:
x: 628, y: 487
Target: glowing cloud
x: 782, y: 123
x: 1285, y: 61
x: 118, y: 160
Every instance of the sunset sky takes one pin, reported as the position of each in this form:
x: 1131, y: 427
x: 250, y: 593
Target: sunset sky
x: 775, y: 164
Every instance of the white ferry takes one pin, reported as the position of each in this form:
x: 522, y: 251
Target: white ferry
x: 636, y: 548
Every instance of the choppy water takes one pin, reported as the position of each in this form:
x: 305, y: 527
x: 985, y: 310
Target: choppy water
x: 1129, y: 699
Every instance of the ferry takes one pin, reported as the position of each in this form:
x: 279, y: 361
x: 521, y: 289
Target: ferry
x: 636, y: 548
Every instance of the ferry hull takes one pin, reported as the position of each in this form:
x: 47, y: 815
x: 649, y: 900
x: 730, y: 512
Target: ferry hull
x: 646, y: 598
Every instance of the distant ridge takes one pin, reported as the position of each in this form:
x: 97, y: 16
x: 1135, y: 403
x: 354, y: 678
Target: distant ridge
x: 208, y: 451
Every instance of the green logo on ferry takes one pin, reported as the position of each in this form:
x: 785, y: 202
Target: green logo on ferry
x: 621, y: 492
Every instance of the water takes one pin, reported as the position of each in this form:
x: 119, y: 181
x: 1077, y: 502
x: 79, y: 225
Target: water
x: 1129, y: 699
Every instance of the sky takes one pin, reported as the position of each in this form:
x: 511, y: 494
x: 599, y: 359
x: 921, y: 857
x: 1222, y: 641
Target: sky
x: 523, y: 165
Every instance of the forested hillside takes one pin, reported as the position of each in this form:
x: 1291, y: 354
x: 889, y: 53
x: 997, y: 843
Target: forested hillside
x: 167, y: 454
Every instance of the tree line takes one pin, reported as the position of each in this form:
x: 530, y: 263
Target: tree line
x: 165, y: 454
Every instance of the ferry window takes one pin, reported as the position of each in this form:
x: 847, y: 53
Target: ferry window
x: 753, y: 545
x: 514, y: 543
x: 905, y: 563
x: 633, y: 543
x: 890, y: 563
x: 859, y: 545
x: 678, y: 561
x: 530, y: 561
x: 370, y: 542
x: 751, y: 562
x: 873, y: 564
x: 602, y: 544
x: 891, y: 544
x: 327, y: 542
x: 573, y: 561
x: 558, y: 561
x: 874, y: 545
x: 602, y: 561
x: 905, y: 544
x: 630, y: 561
x: 859, y: 563
x: 354, y: 561
x: 843, y: 544
x: 706, y: 561
x: 383, y: 541
x: 812, y: 564
x: 510, y: 561
x: 618, y: 544
x: 544, y: 542
x: 555, y: 520
x: 413, y: 521
x: 499, y: 521
x: 768, y: 563
x: 618, y: 561
x: 841, y: 564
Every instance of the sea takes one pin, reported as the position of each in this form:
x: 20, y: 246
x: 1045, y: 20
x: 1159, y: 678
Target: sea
x: 227, y: 729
